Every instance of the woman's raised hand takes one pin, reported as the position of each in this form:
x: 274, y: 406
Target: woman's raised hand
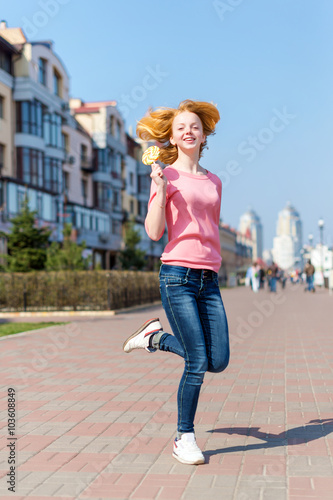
x: 157, y: 175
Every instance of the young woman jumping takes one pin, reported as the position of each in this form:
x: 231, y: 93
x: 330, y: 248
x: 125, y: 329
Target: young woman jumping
x: 187, y: 198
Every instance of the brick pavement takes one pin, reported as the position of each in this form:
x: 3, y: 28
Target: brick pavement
x: 95, y: 423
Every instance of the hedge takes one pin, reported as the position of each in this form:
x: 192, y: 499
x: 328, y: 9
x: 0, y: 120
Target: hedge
x: 77, y: 290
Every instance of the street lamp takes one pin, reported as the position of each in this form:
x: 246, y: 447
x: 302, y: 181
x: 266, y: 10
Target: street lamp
x: 321, y: 231
x: 310, y: 239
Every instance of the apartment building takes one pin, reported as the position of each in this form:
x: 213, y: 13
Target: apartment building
x: 38, y: 101
x: 104, y: 124
x: 7, y: 53
x: 71, y: 172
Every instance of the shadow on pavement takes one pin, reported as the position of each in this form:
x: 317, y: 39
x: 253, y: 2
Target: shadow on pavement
x: 311, y: 431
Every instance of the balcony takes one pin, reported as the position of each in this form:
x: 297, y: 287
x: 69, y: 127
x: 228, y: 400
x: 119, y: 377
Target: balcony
x: 117, y: 209
x: 69, y: 159
x: 87, y: 164
x: 99, y: 239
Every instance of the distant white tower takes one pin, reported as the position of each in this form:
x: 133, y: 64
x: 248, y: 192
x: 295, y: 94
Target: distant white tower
x: 288, y: 241
x: 250, y: 224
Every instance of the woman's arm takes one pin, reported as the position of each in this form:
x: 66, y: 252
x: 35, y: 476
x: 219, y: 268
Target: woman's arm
x: 155, y: 220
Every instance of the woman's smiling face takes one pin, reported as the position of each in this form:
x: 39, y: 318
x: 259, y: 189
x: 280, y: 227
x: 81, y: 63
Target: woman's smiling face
x: 187, y: 132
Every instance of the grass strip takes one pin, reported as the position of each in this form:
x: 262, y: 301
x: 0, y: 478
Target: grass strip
x: 12, y: 328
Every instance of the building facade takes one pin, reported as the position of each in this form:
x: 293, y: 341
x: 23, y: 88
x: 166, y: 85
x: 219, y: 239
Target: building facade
x: 105, y: 126
x: 250, y: 225
x: 74, y: 161
x: 236, y: 250
x: 7, y: 52
x: 287, y: 244
x: 69, y: 171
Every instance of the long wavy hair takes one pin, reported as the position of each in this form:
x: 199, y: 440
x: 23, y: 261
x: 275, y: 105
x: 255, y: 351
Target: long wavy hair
x: 157, y: 126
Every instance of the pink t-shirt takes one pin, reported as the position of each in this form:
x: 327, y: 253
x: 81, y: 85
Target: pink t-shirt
x: 192, y: 215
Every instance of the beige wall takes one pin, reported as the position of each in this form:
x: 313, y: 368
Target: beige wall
x: 89, y: 121
x: 116, y: 118
x: 28, y: 66
x: 7, y: 129
x: 100, y: 121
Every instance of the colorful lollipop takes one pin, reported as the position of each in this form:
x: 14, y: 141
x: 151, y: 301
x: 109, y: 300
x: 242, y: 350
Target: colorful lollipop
x: 150, y: 155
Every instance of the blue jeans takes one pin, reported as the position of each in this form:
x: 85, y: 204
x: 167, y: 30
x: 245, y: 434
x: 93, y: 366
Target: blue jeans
x: 272, y: 284
x: 310, y: 282
x: 192, y: 301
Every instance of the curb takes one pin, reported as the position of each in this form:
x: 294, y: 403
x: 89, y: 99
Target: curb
x: 32, y: 314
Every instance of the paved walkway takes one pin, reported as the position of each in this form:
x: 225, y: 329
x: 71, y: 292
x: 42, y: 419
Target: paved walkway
x: 95, y: 423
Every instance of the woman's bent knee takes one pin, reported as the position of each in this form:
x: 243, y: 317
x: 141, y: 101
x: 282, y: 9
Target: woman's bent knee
x: 219, y: 365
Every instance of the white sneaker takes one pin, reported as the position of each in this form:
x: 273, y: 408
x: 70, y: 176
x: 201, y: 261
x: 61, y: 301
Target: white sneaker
x: 140, y: 339
x: 186, y: 450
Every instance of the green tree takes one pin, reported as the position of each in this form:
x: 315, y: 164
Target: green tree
x: 26, y: 242
x: 132, y: 257
x: 67, y: 255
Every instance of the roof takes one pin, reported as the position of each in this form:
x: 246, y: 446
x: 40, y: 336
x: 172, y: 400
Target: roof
x: 99, y: 104
x: 289, y: 209
x: 14, y: 36
x: 8, y: 46
x: 84, y: 109
x: 93, y: 107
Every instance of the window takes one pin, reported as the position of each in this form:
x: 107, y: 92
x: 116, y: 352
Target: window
x: 21, y: 196
x: 2, y: 157
x: 131, y: 179
x: 112, y: 125
x: 57, y: 83
x: 5, y: 62
x: 30, y: 166
x: 65, y: 142
x: 116, y: 227
x: 104, y: 159
x: 115, y: 199
x: 29, y: 117
x: 118, y: 130
x: 66, y: 181
x: 40, y: 205
x: 131, y: 206
x: 102, y: 195
x: 118, y: 164
x: 42, y: 71
x: 84, y: 187
x: 101, y: 160
x: 84, y: 152
x: 142, y: 209
x: 52, y: 175
x: 1, y: 106
x: 52, y: 130
x: 143, y: 184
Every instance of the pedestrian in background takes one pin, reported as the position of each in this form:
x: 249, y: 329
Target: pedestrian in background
x: 273, y: 275
x: 282, y: 278
x: 261, y: 277
x: 309, y: 271
x: 255, y: 277
x: 248, y: 277
x: 187, y: 197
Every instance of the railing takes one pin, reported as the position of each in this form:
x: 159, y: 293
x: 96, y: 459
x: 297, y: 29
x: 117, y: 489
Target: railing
x: 87, y: 164
x: 77, y: 290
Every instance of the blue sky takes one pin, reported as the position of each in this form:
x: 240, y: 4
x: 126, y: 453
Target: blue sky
x: 266, y: 64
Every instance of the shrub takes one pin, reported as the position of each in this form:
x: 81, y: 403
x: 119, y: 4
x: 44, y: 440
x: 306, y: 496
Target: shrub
x: 77, y: 290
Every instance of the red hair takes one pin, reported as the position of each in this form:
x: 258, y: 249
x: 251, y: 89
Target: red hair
x: 157, y: 126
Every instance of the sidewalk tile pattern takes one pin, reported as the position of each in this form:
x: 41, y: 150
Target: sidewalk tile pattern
x: 94, y: 423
